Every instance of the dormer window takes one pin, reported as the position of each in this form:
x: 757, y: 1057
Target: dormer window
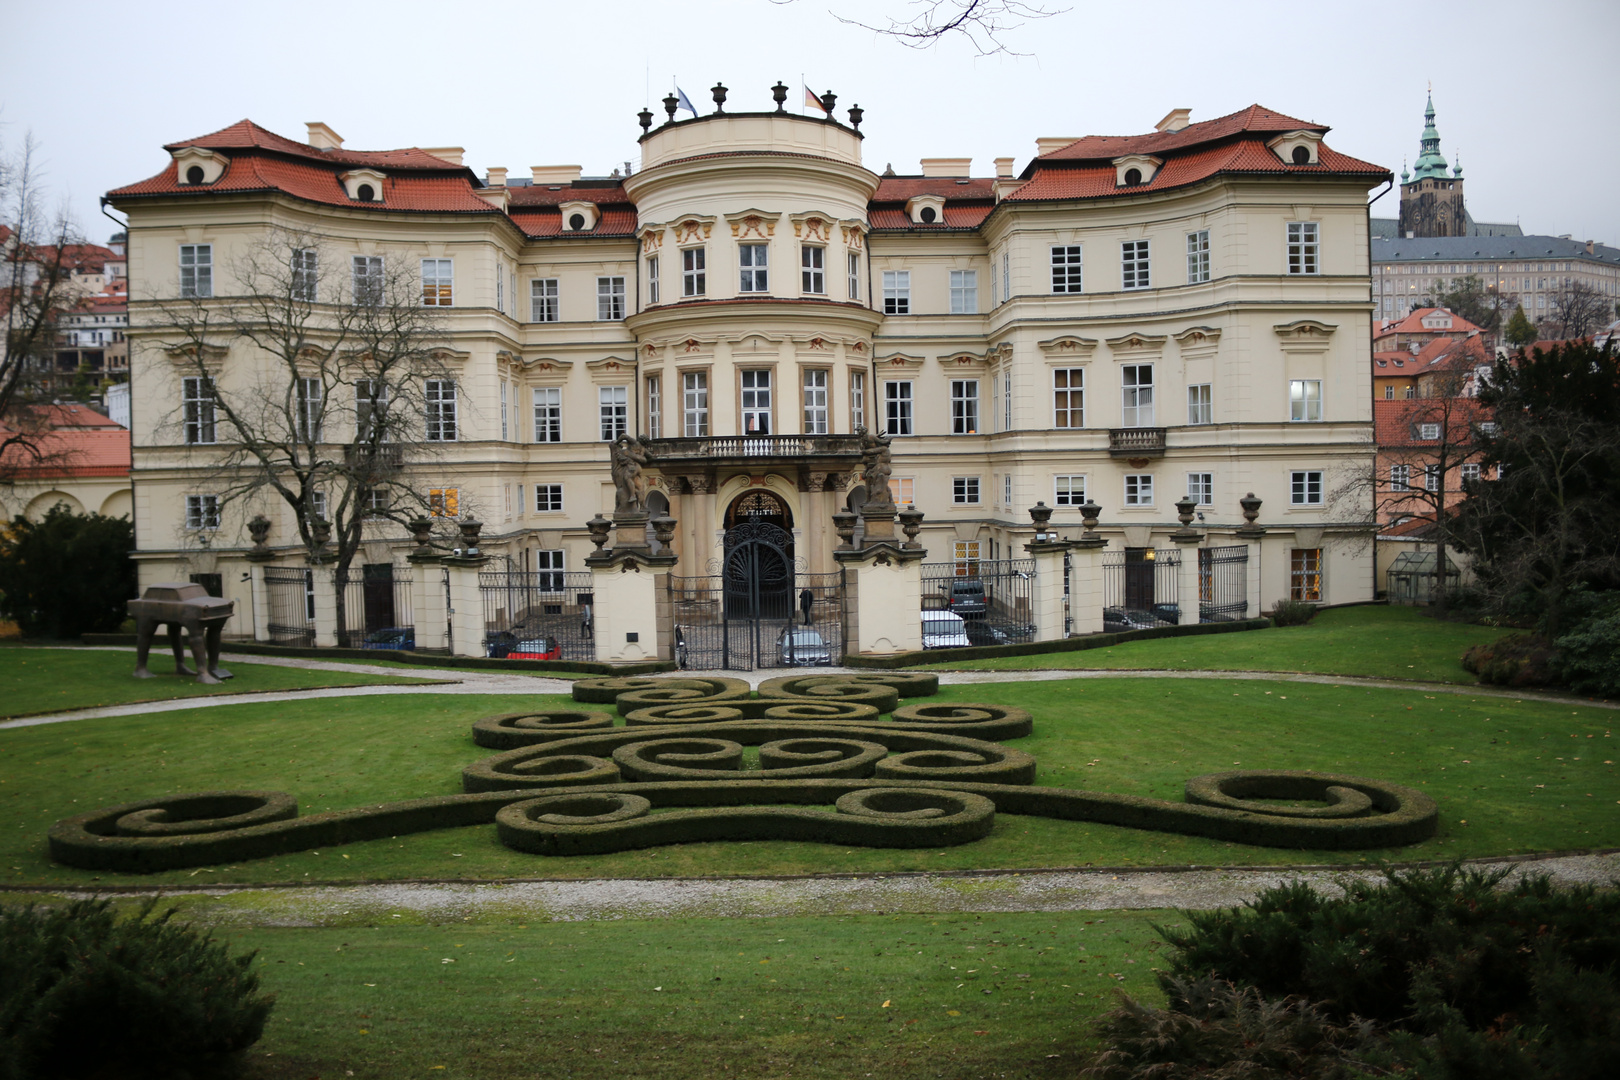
x: 927, y: 215
x: 363, y: 185
x: 926, y: 209
x: 579, y: 216
x: 1302, y: 155
x: 1133, y: 177
x: 365, y: 193
x: 194, y: 166
x: 1134, y: 170
x: 194, y: 175
x: 1297, y: 147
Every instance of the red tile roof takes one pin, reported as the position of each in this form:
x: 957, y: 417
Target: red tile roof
x: 539, y: 222
x: 1395, y: 422
x: 1413, y: 324
x: 77, y: 442
x: 1090, y: 180
x: 900, y: 188
x: 1256, y: 118
x: 970, y: 216
x: 556, y: 194
x: 245, y: 134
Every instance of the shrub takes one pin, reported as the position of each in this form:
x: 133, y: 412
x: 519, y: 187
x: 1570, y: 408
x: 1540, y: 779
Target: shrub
x: 1293, y: 613
x: 67, y: 575
x: 1514, y: 660
x: 84, y: 993
x: 1589, y: 656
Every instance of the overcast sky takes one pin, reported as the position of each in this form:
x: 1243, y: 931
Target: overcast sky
x: 1528, y: 93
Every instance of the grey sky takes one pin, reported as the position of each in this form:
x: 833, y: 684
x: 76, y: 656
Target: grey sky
x: 1526, y: 92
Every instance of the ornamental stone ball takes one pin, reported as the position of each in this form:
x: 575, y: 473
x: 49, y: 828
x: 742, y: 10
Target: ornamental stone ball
x: 182, y: 604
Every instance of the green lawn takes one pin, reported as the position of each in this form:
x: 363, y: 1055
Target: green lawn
x: 1510, y: 776
x: 894, y: 996
x: 34, y: 681
x: 1379, y: 642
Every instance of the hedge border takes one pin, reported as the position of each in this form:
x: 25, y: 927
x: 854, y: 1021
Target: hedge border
x: 1037, y: 648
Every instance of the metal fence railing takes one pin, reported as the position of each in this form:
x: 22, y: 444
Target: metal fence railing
x: 291, y: 592
x: 990, y: 599
x: 1223, y: 583
x: 378, y: 609
x: 538, y: 614
x: 717, y: 627
x: 1139, y: 588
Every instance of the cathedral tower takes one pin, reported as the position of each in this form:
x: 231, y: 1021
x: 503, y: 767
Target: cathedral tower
x: 1432, y: 200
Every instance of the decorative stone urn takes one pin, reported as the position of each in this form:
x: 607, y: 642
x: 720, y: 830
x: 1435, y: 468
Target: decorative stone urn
x: 1250, y: 528
x: 422, y: 532
x: 844, y: 525
x: 259, y: 529
x: 469, y: 538
x: 1186, y: 508
x: 598, y: 527
x: 663, y: 529
x: 1041, y: 515
x: 911, y: 520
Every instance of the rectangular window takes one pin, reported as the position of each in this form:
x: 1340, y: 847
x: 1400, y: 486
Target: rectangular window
x: 1065, y: 269
x: 812, y: 269
x: 506, y: 496
x: 1137, y: 392
x: 964, y: 489
x: 543, y: 300
x: 994, y: 289
x: 441, y: 410
x: 370, y: 410
x: 197, y: 270
x: 374, y: 501
x: 1305, y: 575
x: 694, y: 273
x: 609, y: 299
x: 815, y: 401
x: 548, y: 498
x: 202, y: 511
x: 857, y: 400
x: 854, y: 277
x: 548, y: 414
x: 1389, y: 393
x: 751, y: 261
x: 1305, y: 488
x: 1069, y: 398
x: 1197, y: 256
x: 549, y: 567
x: 966, y: 555
x: 1133, y: 257
x: 897, y: 408
x: 695, y: 403
x: 500, y: 291
x: 1400, y: 478
x: 1305, y: 400
x: 519, y: 488
x: 437, y: 282
x: 317, y: 506
x: 897, y: 292
x: 613, y: 403
x: 504, y: 435
x: 964, y: 406
x: 1067, y: 491
x: 1139, y: 489
x: 1428, y: 431
x: 366, y: 272
x: 1006, y: 489
x: 197, y: 400
x: 655, y: 407
x: 903, y: 490
x: 1201, y: 488
x: 964, y: 292
x: 1006, y: 401
x: 1470, y: 472
x: 1302, y: 247
x: 756, y: 402
x: 1006, y: 276
x: 309, y: 396
x: 444, y: 502
x: 305, y: 276
x: 1431, y: 478
x: 652, y: 279
x: 1200, y: 404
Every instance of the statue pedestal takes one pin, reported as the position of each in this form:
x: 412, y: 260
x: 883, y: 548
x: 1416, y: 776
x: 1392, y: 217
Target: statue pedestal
x: 883, y: 597
x: 1047, y: 602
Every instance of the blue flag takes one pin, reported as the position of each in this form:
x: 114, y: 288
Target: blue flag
x: 684, y: 101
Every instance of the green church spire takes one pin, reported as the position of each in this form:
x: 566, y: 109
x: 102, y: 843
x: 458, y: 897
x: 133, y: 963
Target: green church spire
x: 1430, y: 164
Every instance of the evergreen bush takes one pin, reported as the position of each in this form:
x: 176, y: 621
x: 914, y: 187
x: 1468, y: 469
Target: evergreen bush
x: 68, y: 574
x: 1293, y: 613
x: 1589, y: 656
x: 1514, y: 660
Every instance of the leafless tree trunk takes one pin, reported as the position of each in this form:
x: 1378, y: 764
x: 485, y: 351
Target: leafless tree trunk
x: 1578, y: 310
x: 984, y: 23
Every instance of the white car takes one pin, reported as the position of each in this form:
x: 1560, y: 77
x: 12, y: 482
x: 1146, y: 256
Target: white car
x: 943, y: 630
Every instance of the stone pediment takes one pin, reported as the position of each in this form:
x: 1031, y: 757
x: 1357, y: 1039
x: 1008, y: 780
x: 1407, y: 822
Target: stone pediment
x: 1068, y: 347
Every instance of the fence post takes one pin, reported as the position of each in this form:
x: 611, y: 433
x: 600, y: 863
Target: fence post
x: 884, y: 599
x: 1086, y: 584
x: 325, y: 585
x: 630, y: 587
x: 1188, y: 597
x: 1251, y: 532
x: 260, y: 592
x: 1046, y: 603
x: 466, y: 614
x: 427, y: 600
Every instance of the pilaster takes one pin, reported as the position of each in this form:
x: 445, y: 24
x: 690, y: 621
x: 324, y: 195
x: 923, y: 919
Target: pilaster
x: 884, y: 595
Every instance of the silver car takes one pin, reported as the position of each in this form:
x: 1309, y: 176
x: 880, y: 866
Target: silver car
x: 802, y: 647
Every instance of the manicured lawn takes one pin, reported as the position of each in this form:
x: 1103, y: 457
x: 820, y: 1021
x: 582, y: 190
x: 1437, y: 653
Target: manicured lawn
x: 1510, y: 776
x: 893, y: 996
x: 34, y: 681
x: 1378, y: 642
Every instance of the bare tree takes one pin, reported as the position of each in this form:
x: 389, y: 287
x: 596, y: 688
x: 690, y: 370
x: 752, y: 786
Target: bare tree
x: 350, y: 368
x: 984, y: 23
x: 1577, y: 310
x: 1486, y: 306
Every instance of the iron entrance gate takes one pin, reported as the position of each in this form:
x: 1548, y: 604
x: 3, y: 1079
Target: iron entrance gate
x: 1223, y: 583
x: 758, y: 610
x: 990, y: 596
x: 1139, y: 589
x: 291, y: 592
x: 541, y: 614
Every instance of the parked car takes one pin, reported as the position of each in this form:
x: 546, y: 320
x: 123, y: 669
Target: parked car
x: 943, y: 630
x: 982, y: 633
x: 1117, y: 620
x: 965, y: 596
x: 498, y: 644
x: 800, y: 646
x: 539, y: 648
x: 394, y: 637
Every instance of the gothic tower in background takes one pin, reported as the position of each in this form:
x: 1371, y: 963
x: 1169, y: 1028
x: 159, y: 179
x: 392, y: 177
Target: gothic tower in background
x: 1432, y: 200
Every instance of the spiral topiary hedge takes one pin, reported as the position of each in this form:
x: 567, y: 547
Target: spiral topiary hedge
x: 569, y: 782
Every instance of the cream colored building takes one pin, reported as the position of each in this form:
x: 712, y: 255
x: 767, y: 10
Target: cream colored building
x: 1127, y: 319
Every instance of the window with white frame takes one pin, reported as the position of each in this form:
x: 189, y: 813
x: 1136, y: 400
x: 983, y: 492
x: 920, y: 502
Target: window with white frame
x: 438, y: 282
x: 1302, y: 247
x: 897, y: 292
x: 520, y: 510
x: 548, y: 498
x: 1006, y: 276
x: 815, y: 401
x: 1138, y: 489
x: 964, y: 292
x: 756, y: 402
x: 966, y: 555
x: 694, y: 272
x: 309, y: 396
x: 374, y: 501
x: 1197, y: 256
x: 1133, y: 260
x: 202, y: 511
x: 506, y: 498
x: 1305, y: 400
x: 1068, y: 491
x: 1137, y: 395
x: 613, y: 405
x: 197, y: 270
x: 1470, y: 472
x: 1428, y: 431
x: 995, y: 292
x: 655, y: 407
x: 440, y: 397
x: 609, y: 299
x: 500, y: 291
x: 1431, y: 478
x: 1006, y: 489
x: 964, y: 490
x: 1389, y: 393
x: 1006, y: 401
x: 504, y: 435
x: 370, y: 410
x: 695, y: 403
x: 1400, y: 478
x: 1305, y: 487
x: 548, y: 414
x: 549, y: 568
x: 1201, y: 488
x: 1305, y: 575
x: 964, y: 406
x: 813, y: 269
x: 1200, y: 404
x: 1066, y: 269
x: 305, y: 274
x: 652, y: 279
x: 903, y: 490
x: 854, y: 276
x: 197, y: 403
x: 752, y: 268
x: 897, y: 408
x: 857, y: 400
x: 1069, y: 398
x: 543, y: 305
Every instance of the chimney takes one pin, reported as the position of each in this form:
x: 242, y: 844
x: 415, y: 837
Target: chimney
x: 1006, y: 182
x: 1004, y: 167
x: 1048, y: 144
x: 322, y: 137
x: 555, y: 174
x: 1590, y: 244
x: 496, y: 177
x: 947, y: 166
x: 452, y: 154
x: 1174, y: 120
